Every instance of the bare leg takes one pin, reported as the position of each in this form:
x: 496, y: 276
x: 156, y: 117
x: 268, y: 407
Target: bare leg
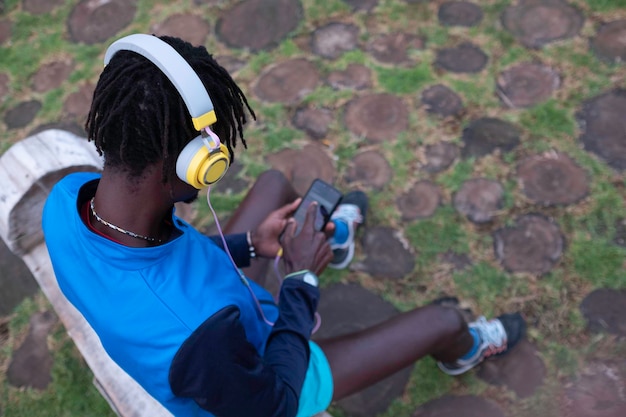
x: 269, y: 192
x: 363, y: 358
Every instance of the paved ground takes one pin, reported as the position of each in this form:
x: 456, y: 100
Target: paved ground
x: 490, y: 134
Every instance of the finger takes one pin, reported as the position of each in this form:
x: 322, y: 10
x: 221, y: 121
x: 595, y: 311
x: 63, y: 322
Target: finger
x: 309, y: 219
x: 288, y: 209
x: 329, y: 229
x: 290, y: 230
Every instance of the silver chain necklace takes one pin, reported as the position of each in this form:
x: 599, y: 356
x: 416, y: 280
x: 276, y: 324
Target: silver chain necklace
x: 117, y: 228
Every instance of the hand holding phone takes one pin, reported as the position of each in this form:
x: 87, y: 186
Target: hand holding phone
x: 327, y: 198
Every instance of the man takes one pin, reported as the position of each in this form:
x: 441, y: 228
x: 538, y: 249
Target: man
x: 172, y: 307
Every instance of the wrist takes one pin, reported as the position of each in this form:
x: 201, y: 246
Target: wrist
x: 304, y: 275
x: 251, y: 245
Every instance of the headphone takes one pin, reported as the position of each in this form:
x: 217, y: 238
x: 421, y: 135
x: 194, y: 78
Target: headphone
x: 204, y: 160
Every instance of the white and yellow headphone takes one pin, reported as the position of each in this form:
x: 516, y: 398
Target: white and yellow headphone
x: 205, y: 159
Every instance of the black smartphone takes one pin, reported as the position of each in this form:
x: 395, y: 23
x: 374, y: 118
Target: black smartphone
x: 327, y: 197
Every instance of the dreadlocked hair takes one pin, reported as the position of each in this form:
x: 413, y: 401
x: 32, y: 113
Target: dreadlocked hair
x: 138, y: 118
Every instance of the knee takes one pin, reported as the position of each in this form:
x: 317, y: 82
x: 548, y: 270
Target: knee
x: 273, y: 177
x: 450, y: 321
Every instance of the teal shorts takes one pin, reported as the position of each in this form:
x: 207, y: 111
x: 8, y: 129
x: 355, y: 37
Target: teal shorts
x: 317, y: 391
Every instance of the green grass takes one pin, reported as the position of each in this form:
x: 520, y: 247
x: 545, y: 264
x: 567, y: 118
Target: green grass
x: 551, y: 302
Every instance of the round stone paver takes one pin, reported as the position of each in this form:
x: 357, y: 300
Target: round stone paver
x: 393, y: 48
x: 302, y: 166
x: 190, y: 27
x: 597, y: 391
x: 366, y: 5
x: 313, y: 121
x: 386, y: 254
x: 370, y: 169
x: 31, y: 363
x: 16, y: 281
x: 521, y: 370
x: 605, y: 311
x: 52, y: 75
x: 40, y: 6
x: 485, y: 135
x: 459, y: 406
x: 348, y: 308
x: 527, y: 84
x: 4, y: 85
x: 22, y: 114
x: 6, y: 27
x: 602, y: 125
x: 258, y: 24
x: 77, y: 104
x: 377, y: 117
x: 354, y: 77
x: 94, y: 21
x: 552, y: 179
x: 287, y: 82
x: 534, y: 244
x: 420, y: 201
x: 536, y: 23
x: 460, y: 13
x: 479, y: 199
x: 609, y: 44
x: 440, y: 156
x: 465, y: 58
x: 335, y: 38
x: 442, y: 101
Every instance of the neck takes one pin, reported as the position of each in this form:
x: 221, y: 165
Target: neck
x: 140, y: 205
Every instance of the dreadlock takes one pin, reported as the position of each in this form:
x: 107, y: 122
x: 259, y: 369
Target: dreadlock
x: 138, y: 118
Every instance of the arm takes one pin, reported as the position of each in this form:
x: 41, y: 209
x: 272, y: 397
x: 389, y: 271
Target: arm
x: 224, y: 374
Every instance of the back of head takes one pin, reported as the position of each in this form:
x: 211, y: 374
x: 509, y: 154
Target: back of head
x: 138, y: 118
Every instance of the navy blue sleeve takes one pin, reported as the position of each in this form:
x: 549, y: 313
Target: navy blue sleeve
x: 238, y: 247
x: 224, y: 374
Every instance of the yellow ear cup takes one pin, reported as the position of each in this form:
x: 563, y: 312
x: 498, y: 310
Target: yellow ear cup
x: 199, y: 167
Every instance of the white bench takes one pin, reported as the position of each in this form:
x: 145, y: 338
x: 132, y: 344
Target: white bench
x: 28, y: 170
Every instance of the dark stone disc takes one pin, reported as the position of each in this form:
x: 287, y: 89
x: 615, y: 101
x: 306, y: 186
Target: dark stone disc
x: 393, y: 48
x: 479, y: 199
x: 354, y: 77
x: 52, y: 75
x: 521, y: 370
x: 387, y: 255
x: 602, y: 124
x: 605, y: 311
x: 313, y: 121
x: 366, y: 5
x: 461, y: 406
x: 190, y: 27
x: 16, y: 282
x: 348, y: 308
x: 536, y: 23
x: 6, y: 27
x: 552, y: 179
x: 301, y: 167
x: 485, y: 135
x: 534, y: 244
x: 369, y: 169
x: 287, y: 82
x: 94, y: 21
x: 440, y: 156
x: 597, y: 391
x: 442, y: 101
x: 40, y: 6
x: 609, y: 44
x: 333, y: 39
x: 22, y: 114
x: 420, y: 201
x: 77, y: 104
x: 527, y: 84
x: 259, y: 24
x: 460, y: 13
x: 465, y: 58
x: 377, y: 117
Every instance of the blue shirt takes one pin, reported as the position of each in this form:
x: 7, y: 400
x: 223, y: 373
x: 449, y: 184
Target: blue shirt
x: 177, y: 317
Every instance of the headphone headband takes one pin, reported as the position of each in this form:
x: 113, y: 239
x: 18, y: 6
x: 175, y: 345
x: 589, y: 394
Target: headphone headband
x: 177, y: 70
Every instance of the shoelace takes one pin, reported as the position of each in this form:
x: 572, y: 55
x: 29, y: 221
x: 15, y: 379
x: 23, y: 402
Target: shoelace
x: 493, y: 336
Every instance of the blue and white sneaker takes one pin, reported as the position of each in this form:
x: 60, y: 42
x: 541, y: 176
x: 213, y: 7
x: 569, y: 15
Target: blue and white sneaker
x: 348, y: 216
x: 495, y: 337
